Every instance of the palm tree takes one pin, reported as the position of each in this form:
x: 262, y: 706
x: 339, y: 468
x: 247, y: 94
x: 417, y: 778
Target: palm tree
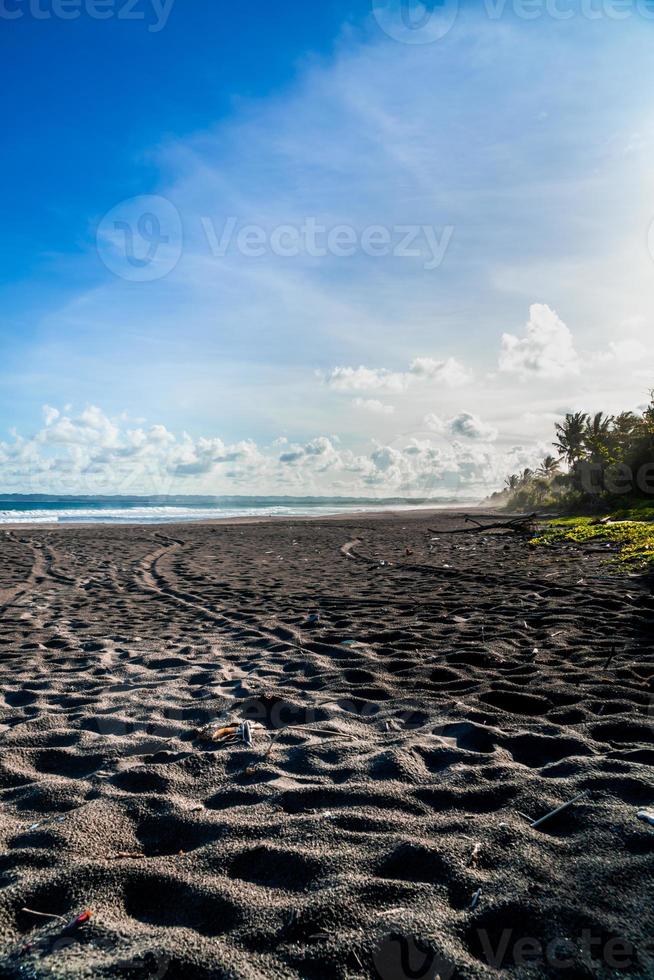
x: 648, y: 416
x: 627, y: 424
x: 597, y: 435
x: 627, y: 432
x: 549, y: 467
x: 512, y: 482
x: 570, y: 434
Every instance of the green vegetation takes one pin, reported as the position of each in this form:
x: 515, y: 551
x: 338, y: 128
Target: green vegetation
x: 635, y: 539
x: 604, y: 464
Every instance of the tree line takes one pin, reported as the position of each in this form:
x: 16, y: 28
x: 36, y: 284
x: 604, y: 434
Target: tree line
x: 601, y: 462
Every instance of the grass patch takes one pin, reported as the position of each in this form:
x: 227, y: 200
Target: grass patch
x: 634, y: 538
x: 643, y: 510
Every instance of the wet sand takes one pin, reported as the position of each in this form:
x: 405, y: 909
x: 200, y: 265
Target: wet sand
x: 429, y: 697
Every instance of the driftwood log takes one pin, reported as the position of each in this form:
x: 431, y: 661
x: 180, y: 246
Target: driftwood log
x: 521, y: 524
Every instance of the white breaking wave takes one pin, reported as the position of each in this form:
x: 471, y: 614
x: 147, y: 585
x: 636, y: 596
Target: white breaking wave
x: 171, y: 515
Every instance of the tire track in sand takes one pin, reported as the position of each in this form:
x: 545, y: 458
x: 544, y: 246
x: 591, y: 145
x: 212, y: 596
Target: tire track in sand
x: 150, y: 577
x: 38, y: 574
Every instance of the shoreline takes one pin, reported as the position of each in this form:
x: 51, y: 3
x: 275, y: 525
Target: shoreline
x: 413, y: 513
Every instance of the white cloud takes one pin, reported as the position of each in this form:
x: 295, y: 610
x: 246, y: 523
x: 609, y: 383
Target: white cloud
x: 434, y: 423
x: 469, y: 426
x: 628, y: 351
x: 451, y: 372
x: 547, y: 350
x: 90, y: 427
x: 419, y: 467
x: 320, y: 453
x: 365, y: 379
x: 204, y: 456
x: 374, y: 406
x: 90, y: 452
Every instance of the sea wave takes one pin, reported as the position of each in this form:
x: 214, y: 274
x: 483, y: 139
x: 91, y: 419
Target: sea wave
x: 173, y: 515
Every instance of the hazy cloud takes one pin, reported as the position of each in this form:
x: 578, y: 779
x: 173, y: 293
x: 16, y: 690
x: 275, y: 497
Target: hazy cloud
x: 547, y: 350
x: 468, y: 426
x: 374, y: 406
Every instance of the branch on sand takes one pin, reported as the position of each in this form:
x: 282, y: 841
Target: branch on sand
x: 524, y: 524
x: 559, y: 809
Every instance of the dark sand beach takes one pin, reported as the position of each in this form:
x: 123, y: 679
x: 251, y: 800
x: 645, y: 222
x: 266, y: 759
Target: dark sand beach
x: 429, y: 698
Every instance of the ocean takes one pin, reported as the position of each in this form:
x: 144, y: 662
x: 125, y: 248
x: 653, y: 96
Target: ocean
x: 32, y: 509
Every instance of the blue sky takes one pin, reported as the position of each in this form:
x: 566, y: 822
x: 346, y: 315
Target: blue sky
x: 430, y: 250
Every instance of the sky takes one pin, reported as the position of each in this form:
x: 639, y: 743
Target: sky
x: 369, y: 248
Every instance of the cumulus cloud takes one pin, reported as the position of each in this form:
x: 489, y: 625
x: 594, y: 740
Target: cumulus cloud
x: 450, y: 373
x: 419, y: 467
x: 365, y: 379
x: 91, y: 427
x: 468, y: 426
x: 91, y: 452
x: 373, y: 405
x: 547, y: 350
x: 320, y: 452
x: 202, y: 457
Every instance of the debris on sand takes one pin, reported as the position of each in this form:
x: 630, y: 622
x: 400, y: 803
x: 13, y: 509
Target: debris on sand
x: 474, y: 857
x: 44, y: 915
x: 647, y: 815
x: 523, y: 524
x: 229, y: 734
x: 245, y: 732
x: 559, y: 809
x: 78, y: 921
x: 67, y: 929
